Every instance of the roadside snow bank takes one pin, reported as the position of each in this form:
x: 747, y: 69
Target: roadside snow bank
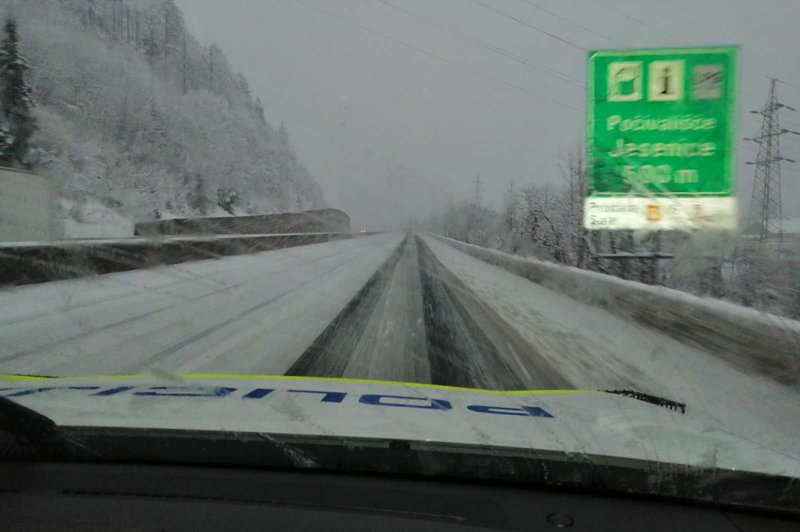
x: 92, y: 219
x: 746, y: 338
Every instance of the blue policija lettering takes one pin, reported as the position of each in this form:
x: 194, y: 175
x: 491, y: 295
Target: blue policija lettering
x: 323, y: 396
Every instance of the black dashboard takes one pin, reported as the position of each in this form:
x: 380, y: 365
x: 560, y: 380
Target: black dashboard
x: 86, y: 497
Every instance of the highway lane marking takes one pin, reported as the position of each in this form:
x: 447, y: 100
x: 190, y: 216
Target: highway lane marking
x: 519, y: 361
x: 130, y: 319
x: 171, y: 349
x: 174, y: 271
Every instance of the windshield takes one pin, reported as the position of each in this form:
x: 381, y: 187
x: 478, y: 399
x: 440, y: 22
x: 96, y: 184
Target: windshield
x: 580, y: 215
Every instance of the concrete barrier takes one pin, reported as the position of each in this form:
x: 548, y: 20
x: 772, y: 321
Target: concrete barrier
x: 29, y: 207
x: 752, y: 341
x: 319, y: 221
x: 27, y: 263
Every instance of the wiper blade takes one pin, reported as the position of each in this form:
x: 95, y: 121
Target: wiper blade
x: 652, y: 399
x: 31, y: 429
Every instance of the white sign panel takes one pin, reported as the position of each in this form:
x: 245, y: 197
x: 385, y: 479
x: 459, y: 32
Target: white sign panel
x: 659, y: 214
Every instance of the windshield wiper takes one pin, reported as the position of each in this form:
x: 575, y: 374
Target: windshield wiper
x: 652, y: 399
x: 31, y: 430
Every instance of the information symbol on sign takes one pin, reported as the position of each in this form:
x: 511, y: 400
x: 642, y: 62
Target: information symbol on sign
x: 625, y: 81
x: 707, y: 82
x: 665, y: 81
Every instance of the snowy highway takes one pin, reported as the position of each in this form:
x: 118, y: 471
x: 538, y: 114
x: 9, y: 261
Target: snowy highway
x: 379, y: 307
x: 244, y: 314
x: 392, y: 306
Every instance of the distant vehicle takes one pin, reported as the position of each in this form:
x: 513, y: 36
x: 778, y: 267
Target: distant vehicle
x: 363, y: 230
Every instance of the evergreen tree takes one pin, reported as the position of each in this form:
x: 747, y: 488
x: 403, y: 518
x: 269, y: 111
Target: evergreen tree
x: 15, y: 100
x: 510, y: 201
x: 260, y: 111
x: 283, y: 135
x: 244, y: 87
x: 5, y: 141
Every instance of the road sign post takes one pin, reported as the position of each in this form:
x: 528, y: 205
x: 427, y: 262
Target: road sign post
x: 660, y: 138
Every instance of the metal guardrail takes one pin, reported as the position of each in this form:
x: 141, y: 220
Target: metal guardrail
x: 317, y: 221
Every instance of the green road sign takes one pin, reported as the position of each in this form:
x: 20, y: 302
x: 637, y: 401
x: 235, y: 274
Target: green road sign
x: 660, y: 135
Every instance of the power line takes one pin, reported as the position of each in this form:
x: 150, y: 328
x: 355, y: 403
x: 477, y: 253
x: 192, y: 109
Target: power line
x: 668, y: 34
x: 791, y: 85
x: 493, y: 48
x: 614, y: 10
x: 767, y: 76
x: 569, y: 21
x: 490, y: 47
x: 435, y: 56
x: 526, y: 24
x: 633, y: 19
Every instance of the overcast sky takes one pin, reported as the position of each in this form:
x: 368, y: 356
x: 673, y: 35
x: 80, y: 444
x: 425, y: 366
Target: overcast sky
x: 396, y: 105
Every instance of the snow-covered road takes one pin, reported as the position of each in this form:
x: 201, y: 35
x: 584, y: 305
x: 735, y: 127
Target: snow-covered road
x: 390, y: 307
x: 594, y: 349
x: 244, y: 314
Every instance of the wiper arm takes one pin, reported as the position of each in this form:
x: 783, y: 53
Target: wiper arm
x: 652, y: 399
x: 32, y: 429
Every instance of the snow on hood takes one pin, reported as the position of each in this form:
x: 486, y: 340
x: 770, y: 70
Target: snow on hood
x: 571, y: 421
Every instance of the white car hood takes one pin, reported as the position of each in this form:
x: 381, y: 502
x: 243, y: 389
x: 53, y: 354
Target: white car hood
x: 570, y: 421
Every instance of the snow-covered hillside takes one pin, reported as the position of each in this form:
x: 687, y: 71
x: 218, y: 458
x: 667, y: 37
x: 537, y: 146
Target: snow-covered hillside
x: 135, y: 115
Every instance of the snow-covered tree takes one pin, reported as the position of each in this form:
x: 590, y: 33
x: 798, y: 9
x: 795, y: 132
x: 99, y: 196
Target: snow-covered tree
x: 259, y: 107
x: 6, y: 140
x: 510, y: 206
x: 15, y: 99
x: 127, y: 116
